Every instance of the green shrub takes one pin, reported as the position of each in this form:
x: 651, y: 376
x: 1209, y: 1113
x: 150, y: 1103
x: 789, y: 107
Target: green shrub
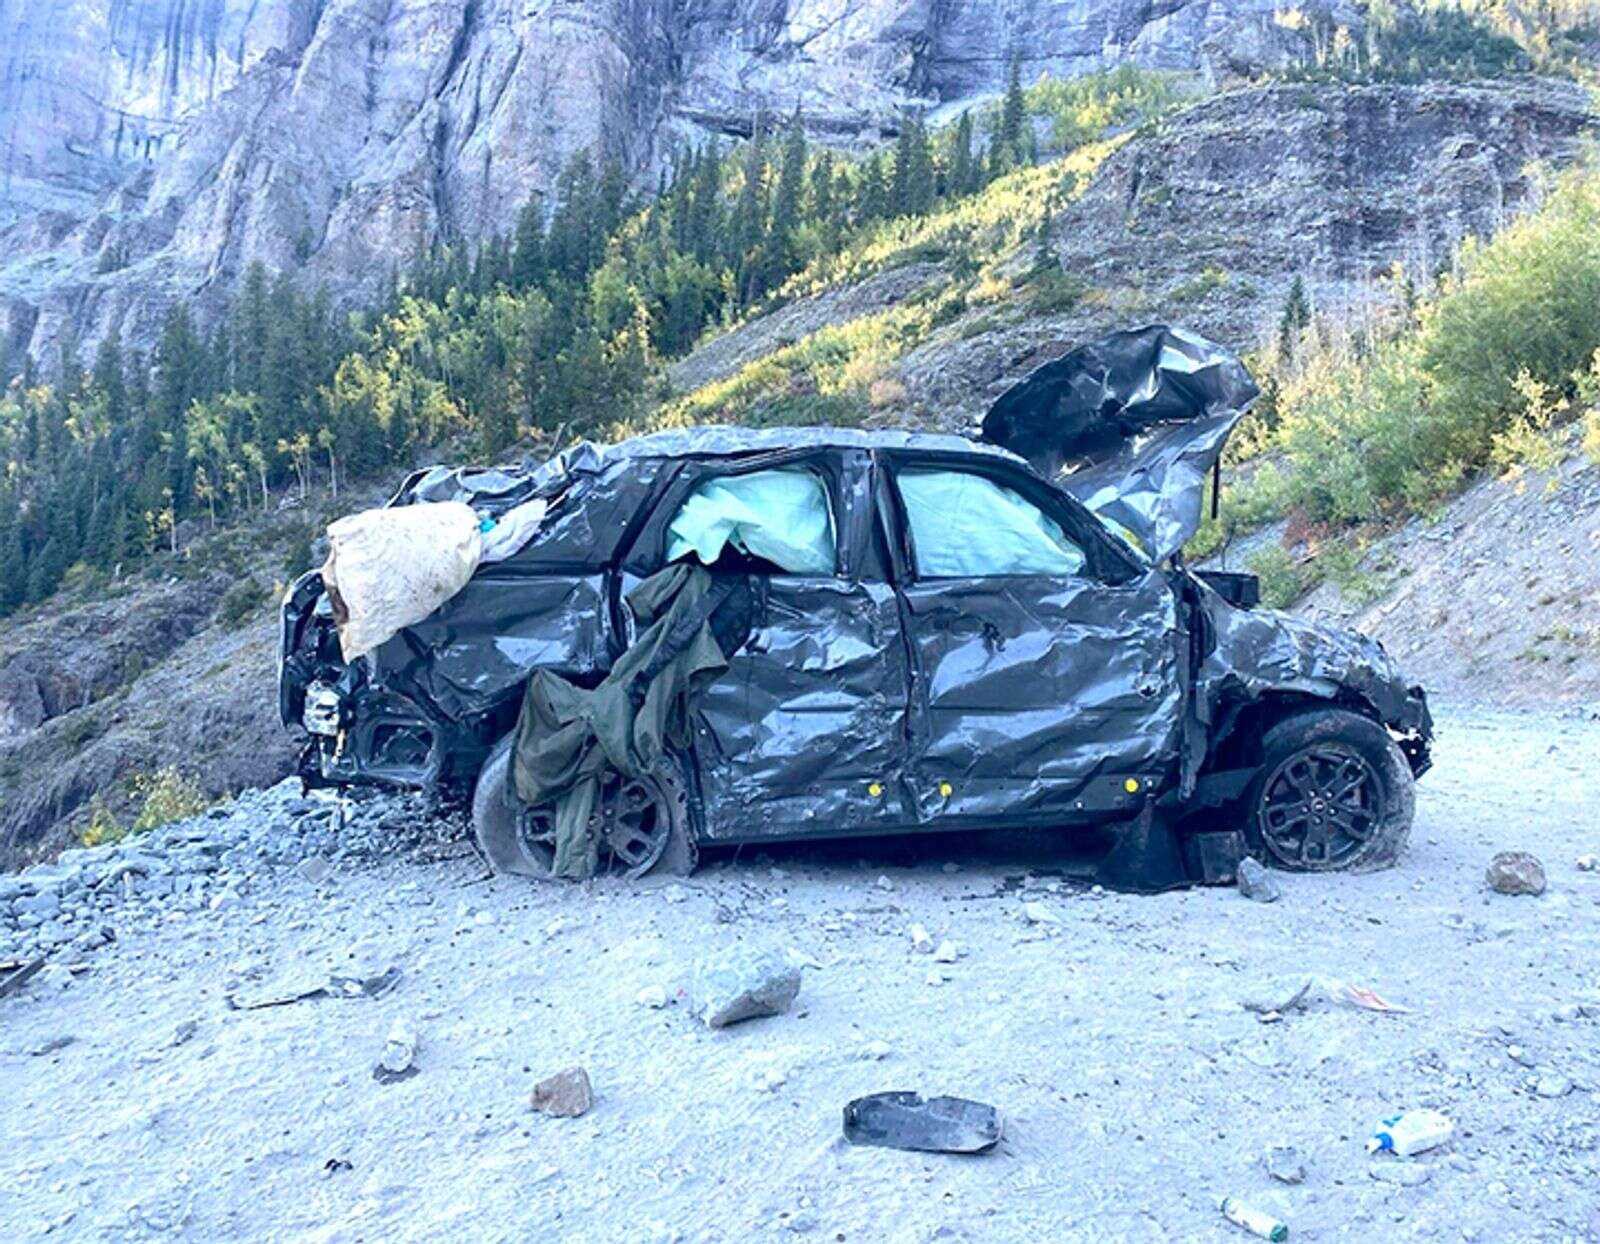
x: 1283, y: 580
x: 1405, y: 423
x: 240, y: 601
x: 166, y: 795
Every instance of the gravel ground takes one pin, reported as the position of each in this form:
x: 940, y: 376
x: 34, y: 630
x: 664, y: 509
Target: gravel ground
x: 1110, y: 1030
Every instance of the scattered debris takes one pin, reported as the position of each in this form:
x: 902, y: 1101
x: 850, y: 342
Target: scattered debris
x: 565, y: 1095
x: 304, y: 989
x: 1253, y: 1220
x: 314, y: 870
x: 1285, y: 1164
x: 1411, y: 1132
x: 1280, y: 1000
x: 336, y: 1166
x: 1515, y: 872
x: 948, y: 952
x: 1035, y: 912
x: 399, y: 1061
x: 14, y: 975
x: 184, y: 1032
x: 921, y: 940
x: 52, y: 1045
x: 1588, y: 863
x: 1257, y: 882
x: 743, y: 983
x: 901, y: 1120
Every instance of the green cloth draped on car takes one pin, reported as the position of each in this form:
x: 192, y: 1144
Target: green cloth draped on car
x: 569, y: 737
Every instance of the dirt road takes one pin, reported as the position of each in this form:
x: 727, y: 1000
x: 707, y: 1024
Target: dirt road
x: 1136, y: 1087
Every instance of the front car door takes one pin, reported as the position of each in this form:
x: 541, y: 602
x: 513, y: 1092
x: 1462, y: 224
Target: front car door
x: 1045, y: 658
x: 806, y: 731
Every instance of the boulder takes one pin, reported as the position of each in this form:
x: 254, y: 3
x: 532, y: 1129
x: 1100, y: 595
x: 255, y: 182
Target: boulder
x: 1515, y: 872
x: 565, y: 1095
x: 743, y: 983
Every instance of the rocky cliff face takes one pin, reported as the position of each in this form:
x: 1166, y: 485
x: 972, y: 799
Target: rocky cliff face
x: 153, y: 149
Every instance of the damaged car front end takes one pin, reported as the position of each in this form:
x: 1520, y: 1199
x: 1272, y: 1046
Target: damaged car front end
x: 724, y: 635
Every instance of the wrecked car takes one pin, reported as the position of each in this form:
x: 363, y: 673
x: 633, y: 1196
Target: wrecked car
x: 721, y: 635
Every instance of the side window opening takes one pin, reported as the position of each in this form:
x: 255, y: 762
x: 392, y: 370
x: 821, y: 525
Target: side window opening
x: 964, y: 525
x: 766, y: 522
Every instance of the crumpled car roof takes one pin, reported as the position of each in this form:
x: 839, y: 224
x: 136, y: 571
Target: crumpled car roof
x: 1137, y: 420
x: 495, y: 488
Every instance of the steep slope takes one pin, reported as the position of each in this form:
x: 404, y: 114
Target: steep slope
x: 1204, y: 219
x: 150, y: 150
x: 1495, y: 598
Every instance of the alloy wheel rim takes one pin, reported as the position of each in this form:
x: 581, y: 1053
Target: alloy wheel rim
x: 1320, y: 808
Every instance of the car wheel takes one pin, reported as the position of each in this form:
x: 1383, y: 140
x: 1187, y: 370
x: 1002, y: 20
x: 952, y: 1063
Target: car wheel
x: 1333, y: 792
x: 643, y: 824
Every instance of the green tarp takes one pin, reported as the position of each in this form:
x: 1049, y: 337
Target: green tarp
x: 569, y: 737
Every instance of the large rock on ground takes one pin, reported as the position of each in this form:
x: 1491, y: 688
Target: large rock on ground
x: 1515, y: 872
x: 743, y: 983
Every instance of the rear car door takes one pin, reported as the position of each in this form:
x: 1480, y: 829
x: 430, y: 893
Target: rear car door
x: 806, y: 731
x: 1045, y: 661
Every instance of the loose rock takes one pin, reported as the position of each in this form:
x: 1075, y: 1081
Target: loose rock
x: 565, y: 1095
x: 1285, y: 1164
x: 743, y: 983
x: 1515, y: 872
x: 1257, y: 882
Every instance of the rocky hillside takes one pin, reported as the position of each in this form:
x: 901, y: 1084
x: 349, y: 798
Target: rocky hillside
x: 151, y: 150
x: 1204, y: 218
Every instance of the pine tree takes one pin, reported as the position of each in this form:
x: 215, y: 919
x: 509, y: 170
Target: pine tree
x: 527, y: 250
x: 1013, y: 113
x: 1296, y: 317
x: 786, y: 201
x: 919, y: 181
x: 960, y: 179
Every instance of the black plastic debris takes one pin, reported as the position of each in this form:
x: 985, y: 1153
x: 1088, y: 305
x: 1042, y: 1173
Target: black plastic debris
x: 13, y: 976
x: 901, y: 1120
x: 1139, y: 418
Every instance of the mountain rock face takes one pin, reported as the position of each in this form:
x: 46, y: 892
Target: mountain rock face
x: 151, y: 150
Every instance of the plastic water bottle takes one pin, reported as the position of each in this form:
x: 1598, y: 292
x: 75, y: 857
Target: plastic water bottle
x: 1413, y: 1131
x: 1253, y: 1220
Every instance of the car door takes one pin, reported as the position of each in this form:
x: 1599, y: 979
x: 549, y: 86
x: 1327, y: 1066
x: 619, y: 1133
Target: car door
x: 1045, y: 661
x: 806, y: 731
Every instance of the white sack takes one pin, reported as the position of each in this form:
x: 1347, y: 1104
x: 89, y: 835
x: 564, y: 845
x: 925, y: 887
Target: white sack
x: 513, y: 530
x: 390, y: 568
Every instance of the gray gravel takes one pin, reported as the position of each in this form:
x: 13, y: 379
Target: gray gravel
x: 1111, y: 1031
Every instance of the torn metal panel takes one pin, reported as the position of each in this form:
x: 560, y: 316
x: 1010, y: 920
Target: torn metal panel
x: 474, y: 653
x: 1262, y: 652
x: 1136, y: 421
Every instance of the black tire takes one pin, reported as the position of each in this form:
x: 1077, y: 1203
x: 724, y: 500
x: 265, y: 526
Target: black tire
x: 518, y: 840
x: 1334, y: 792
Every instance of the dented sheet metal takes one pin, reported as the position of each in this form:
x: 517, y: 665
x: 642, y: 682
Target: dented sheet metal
x: 1261, y: 652
x: 1136, y: 421
x: 1032, y: 689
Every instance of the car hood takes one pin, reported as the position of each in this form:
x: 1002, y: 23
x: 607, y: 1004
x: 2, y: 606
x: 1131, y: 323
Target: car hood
x: 1130, y: 425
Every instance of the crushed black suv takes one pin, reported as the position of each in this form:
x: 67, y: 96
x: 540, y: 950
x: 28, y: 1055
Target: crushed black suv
x: 937, y: 633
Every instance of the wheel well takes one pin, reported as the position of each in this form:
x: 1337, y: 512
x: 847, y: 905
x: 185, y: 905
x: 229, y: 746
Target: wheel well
x: 1245, y: 723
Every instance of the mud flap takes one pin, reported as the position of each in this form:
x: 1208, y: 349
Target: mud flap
x: 1147, y: 857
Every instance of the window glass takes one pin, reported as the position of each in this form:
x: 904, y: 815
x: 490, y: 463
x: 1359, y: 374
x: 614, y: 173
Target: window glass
x: 780, y: 516
x: 966, y: 526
